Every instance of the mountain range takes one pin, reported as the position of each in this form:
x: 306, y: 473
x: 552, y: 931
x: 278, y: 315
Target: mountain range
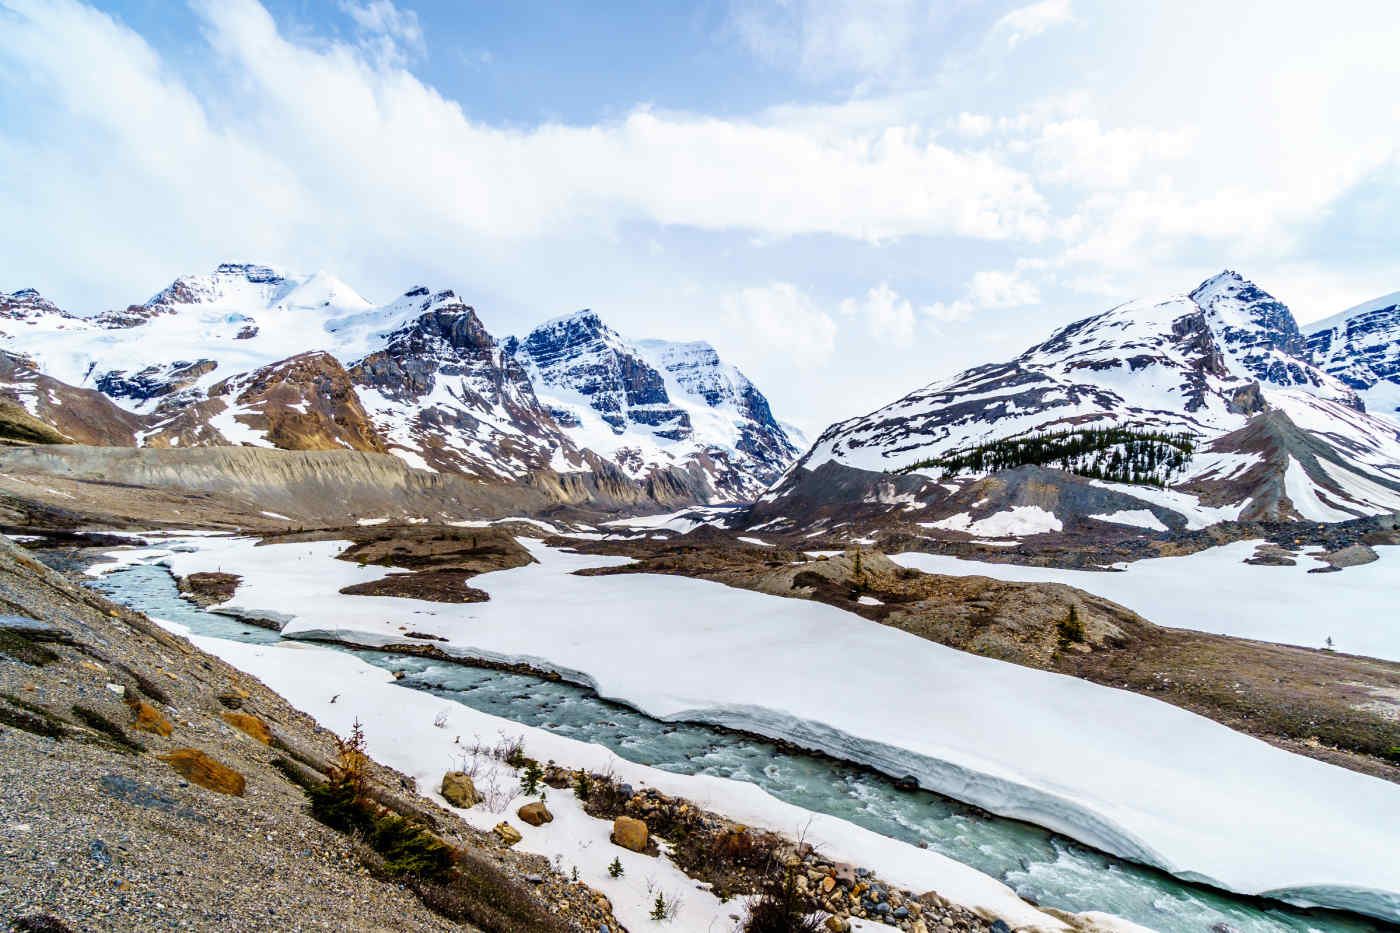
x: 1269, y: 422
x: 1159, y: 414
x: 249, y: 355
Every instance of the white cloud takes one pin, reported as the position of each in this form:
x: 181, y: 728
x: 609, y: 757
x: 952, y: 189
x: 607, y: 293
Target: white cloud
x: 372, y: 145
x: 1029, y: 21
x: 990, y: 289
x: 782, y: 319
x: 392, y: 34
x: 822, y: 38
x: 889, y: 318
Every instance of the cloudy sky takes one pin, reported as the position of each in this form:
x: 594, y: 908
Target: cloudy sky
x: 849, y: 198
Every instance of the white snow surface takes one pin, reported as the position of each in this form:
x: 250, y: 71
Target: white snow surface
x: 1129, y: 774
x: 399, y: 732
x: 1142, y: 518
x: 1356, y: 607
x: 1015, y: 522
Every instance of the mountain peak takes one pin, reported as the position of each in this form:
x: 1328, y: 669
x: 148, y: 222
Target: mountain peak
x: 253, y: 272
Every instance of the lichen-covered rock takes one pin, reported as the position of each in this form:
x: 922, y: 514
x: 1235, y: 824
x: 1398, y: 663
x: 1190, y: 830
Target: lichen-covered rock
x: 250, y: 724
x: 630, y: 833
x: 535, y: 813
x: 199, y: 768
x: 150, y: 719
x: 507, y: 833
x: 459, y: 790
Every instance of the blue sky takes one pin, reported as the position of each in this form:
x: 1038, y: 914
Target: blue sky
x: 849, y: 199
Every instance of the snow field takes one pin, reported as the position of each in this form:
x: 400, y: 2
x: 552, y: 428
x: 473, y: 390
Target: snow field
x: 1216, y: 591
x: 1122, y: 772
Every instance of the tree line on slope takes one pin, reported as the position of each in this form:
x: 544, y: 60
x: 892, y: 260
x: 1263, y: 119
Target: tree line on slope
x: 1118, y: 454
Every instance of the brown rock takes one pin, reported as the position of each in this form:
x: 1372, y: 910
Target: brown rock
x: 150, y: 719
x: 535, y: 813
x: 459, y: 790
x: 630, y: 833
x: 827, y: 884
x: 250, y: 724
x: 200, y: 769
x: 507, y: 833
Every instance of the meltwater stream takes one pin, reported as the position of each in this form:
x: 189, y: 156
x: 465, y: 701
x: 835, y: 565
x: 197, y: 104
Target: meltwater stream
x: 1040, y: 865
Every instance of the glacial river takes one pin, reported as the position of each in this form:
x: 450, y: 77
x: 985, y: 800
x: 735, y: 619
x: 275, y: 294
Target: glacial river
x: 1041, y: 866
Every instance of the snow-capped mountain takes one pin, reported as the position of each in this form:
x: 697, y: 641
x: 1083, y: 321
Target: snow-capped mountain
x: 654, y: 403
x: 1226, y: 363
x: 1361, y: 348
x: 251, y: 355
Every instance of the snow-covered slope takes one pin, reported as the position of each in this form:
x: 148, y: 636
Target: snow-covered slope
x: 436, y: 389
x: 1361, y: 348
x: 1211, y: 363
x: 655, y: 404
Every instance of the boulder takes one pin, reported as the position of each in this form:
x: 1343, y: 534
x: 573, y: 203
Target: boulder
x: 199, y: 768
x: 250, y: 724
x: 459, y: 790
x: 507, y: 833
x: 630, y: 833
x: 535, y: 813
x: 150, y: 719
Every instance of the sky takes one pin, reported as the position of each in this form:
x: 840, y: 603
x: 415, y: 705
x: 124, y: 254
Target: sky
x: 848, y: 198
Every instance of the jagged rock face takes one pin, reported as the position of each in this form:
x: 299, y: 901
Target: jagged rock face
x: 27, y: 304
x: 697, y: 369
x: 153, y: 381
x: 655, y: 405
x: 1260, y: 333
x: 1361, y: 347
x: 580, y: 354
x: 443, y: 390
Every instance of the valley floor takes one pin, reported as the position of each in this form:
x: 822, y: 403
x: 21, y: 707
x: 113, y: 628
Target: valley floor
x: 1165, y: 787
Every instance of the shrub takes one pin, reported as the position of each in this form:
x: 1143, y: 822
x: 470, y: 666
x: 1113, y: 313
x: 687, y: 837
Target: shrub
x: 582, y: 784
x: 615, y: 869
x: 336, y: 804
x: 781, y: 908
x: 1071, y: 629
x: 530, y: 778
x: 409, y: 849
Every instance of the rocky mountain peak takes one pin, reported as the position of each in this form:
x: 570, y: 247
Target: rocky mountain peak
x: 27, y: 304
x: 1361, y: 348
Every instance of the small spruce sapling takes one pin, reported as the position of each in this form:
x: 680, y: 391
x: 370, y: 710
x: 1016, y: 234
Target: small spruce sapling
x: 615, y: 869
x: 658, y: 910
x: 530, y: 778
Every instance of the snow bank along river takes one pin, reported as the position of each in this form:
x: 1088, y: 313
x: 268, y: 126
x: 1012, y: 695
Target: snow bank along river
x: 1119, y: 770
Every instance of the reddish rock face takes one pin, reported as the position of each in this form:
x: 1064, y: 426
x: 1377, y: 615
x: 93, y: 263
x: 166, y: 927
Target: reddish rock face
x: 306, y: 402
